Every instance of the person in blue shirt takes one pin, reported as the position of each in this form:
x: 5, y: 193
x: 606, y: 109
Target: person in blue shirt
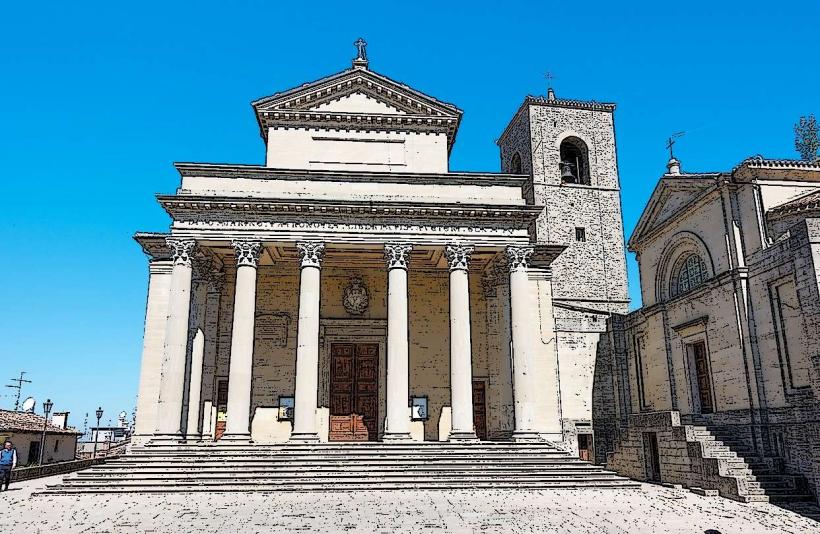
x: 8, y: 461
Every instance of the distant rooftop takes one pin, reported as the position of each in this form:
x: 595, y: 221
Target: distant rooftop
x: 11, y: 421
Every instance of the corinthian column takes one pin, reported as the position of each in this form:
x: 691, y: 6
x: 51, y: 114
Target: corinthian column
x: 172, y: 381
x: 306, y: 396
x: 461, y: 365
x: 523, y: 353
x: 240, y: 373
x: 397, y: 425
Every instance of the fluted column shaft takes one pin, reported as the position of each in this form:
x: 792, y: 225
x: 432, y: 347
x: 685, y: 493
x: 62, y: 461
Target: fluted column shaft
x: 306, y: 396
x: 461, y: 371
x: 397, y: 425
x: 172, y: 382
x: 523, y: 355
x: 240, y: 373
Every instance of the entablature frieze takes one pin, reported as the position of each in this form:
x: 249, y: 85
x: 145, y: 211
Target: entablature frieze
x: 210, y: 211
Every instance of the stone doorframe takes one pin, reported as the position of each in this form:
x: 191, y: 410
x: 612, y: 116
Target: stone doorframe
x: 344, y: 330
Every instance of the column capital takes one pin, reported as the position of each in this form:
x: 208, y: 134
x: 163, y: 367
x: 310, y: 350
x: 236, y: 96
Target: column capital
x: 518, y: 257
x: 397, y: 255
x: 458, y: 256
x: 247, y: 252
x: 181, y: 250
x: 311, y: 253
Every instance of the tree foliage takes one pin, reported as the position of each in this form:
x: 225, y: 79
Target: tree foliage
x: 807, y: 138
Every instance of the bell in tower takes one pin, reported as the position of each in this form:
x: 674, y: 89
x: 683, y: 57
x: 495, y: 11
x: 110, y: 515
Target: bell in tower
x: 567, y: 174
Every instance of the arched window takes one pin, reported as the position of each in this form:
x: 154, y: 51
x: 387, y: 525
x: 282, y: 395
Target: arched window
x: 515, y: 164
x: 689, y: 274
x: 574, y: 164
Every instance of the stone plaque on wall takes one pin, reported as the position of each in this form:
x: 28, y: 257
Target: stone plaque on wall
x: 273, y: 327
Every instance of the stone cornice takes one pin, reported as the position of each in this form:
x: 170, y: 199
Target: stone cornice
x: 590, y: 105
x: 258, y: 172
x: 192, y: 208
x: 153, y: 245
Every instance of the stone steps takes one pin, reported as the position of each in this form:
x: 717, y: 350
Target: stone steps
x: 779, y: 487
x: 339, y: 467
x: 325, y: 486
x: 380, y: 471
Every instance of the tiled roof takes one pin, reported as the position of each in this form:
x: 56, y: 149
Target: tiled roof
x: 759, y: 162
x: 810, y: 201
x: 11, y: 421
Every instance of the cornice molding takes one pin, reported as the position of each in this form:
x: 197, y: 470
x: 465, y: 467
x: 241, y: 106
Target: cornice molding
x: 258, y: 172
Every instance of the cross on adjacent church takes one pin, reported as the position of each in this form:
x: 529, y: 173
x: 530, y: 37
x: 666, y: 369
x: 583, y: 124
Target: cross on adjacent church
x: 549, y: 76
x: 670, y: 143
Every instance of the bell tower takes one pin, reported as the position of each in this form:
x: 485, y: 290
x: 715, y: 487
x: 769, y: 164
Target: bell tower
x: 567, y: 147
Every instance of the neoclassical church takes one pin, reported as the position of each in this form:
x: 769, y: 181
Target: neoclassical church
x: 353, y: 288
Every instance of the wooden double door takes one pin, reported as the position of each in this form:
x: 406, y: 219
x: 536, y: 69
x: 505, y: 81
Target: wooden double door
x: 354, y: 392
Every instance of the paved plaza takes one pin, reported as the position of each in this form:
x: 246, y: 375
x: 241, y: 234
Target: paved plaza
x: 650, y: 510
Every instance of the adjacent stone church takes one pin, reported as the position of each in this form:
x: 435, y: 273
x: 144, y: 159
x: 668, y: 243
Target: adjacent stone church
x: 715, y: 381
x: 353, y: 288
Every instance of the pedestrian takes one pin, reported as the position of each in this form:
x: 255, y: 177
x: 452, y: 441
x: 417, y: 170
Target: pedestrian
x: 8, y: 461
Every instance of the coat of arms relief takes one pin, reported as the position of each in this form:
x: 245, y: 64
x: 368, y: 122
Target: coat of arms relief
x: 355, y: 298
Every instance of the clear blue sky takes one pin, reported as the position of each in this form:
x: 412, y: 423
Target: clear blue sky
x: 98, y: 99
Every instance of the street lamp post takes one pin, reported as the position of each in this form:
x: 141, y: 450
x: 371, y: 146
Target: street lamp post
x: 97, y: 434
x: 47, y: 409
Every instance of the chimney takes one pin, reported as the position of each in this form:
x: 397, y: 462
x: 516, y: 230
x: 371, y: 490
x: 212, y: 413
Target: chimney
x: 60, y: 419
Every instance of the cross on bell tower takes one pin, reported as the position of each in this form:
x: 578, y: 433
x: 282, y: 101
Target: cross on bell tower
x: 361, y: 54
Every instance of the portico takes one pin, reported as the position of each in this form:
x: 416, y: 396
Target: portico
x: 402, y: 282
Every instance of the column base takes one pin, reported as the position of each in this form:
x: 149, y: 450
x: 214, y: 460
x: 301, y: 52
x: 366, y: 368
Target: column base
x: 463, y: 437
x: 397, y: 437
x: 528, y: 436
x: 167, y: 439
x: 304, y: 437
x: 237, y: 438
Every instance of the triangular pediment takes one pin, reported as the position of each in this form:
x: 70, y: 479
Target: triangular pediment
x: 358, y: 102
x: 354, y: 86
x: 357, y: 98
x: 671, y: 196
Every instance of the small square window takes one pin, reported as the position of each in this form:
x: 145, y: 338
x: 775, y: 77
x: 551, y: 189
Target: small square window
x: 580, y: 234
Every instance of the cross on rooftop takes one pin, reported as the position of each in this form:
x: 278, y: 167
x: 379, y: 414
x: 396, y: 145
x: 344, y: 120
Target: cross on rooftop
x: 670, y: 143
x: 361, y: 47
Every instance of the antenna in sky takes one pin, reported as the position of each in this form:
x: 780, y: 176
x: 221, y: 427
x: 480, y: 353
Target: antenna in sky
x: 19, y: 387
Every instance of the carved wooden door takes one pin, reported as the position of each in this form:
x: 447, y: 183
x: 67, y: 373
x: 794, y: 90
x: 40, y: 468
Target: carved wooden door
x: 354, y: 392
x: 480, y: 409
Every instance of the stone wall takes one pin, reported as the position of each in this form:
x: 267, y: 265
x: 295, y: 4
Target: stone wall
x: 686, y: 457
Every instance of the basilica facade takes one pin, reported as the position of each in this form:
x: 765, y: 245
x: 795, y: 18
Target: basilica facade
x: 353, y: 288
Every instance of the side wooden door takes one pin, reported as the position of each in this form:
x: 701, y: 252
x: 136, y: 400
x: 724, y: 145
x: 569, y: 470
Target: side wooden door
x: 480, y: 409
x: 704, y: 382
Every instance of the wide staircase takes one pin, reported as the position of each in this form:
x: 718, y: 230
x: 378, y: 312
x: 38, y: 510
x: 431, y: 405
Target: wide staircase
x: 339, y: 466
